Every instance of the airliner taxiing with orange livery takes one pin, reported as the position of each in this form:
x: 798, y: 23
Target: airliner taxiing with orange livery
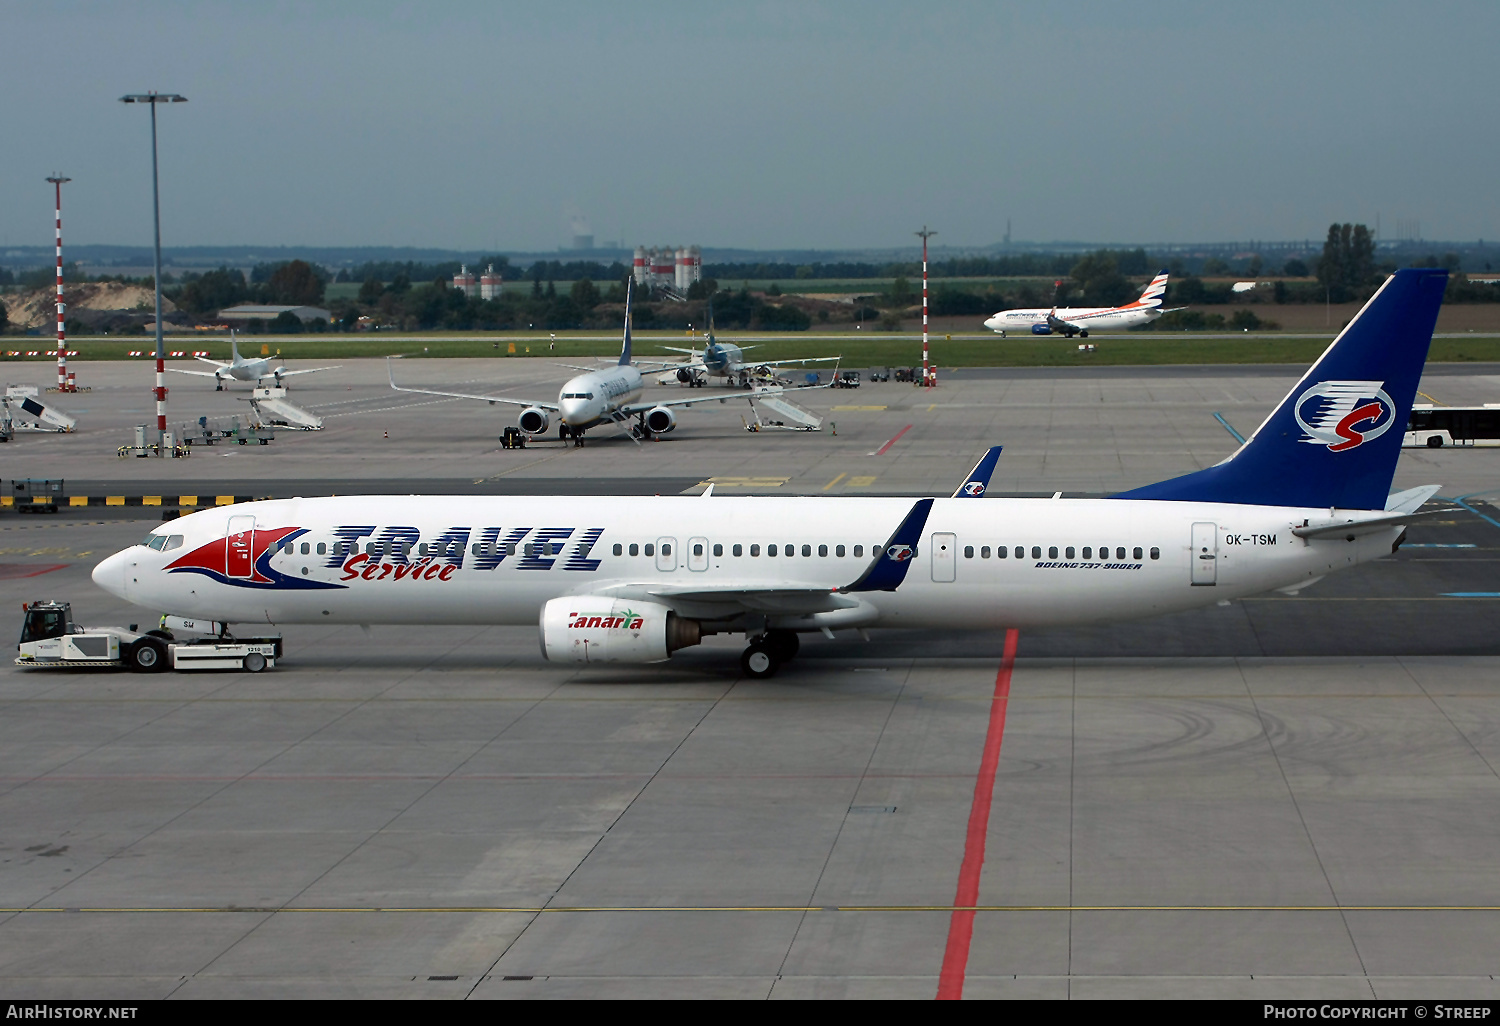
x: 1080, y: 321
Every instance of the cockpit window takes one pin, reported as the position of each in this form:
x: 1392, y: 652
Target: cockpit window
x: 154, y: 541
x: 174, y: 541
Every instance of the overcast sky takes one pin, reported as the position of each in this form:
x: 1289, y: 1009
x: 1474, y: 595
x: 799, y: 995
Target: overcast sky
x: 748, y: 124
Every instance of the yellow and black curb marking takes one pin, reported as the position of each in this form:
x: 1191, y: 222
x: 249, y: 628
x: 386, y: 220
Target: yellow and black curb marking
x: 191, y: 501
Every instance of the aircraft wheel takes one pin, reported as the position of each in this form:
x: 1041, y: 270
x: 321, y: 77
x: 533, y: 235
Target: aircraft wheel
x: 757, y: 661
x: 254, y: 662
x: 783, y: 645
x: 147, y: 656
x: 1083, y: 334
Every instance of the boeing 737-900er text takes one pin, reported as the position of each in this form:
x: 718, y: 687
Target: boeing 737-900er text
x: 1072, y: 321
x: 608, y: 396
x: 633, y: 579
x: 241, y: 369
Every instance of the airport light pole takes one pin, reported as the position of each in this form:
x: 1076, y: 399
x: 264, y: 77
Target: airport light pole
x: 152, y: 99
x: 926, y: 371
x: 62, y: 342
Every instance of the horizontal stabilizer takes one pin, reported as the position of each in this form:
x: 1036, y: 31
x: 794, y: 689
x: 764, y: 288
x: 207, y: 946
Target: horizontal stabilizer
x: 1352, y: 528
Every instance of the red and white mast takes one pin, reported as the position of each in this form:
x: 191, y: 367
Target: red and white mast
x: 926, y: 368
x: 62, y: 341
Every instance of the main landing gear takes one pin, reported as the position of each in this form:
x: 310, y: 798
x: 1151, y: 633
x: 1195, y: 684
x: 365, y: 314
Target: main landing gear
x: 564, y: 433
x: 765, y: 653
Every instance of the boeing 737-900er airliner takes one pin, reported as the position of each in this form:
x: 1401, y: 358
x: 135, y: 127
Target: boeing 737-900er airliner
x: 1072, y: 321
x: 633, y: 579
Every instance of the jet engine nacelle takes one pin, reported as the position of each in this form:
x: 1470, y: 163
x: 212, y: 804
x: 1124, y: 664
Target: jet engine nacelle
x: 1040, y: 329
x: 687, y: 375
x: 533, y: 420
x: 598, y: 629
x: 660, y: 420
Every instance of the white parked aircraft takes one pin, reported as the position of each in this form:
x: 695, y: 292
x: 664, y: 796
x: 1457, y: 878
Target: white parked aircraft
x: 1072, y: 321
x: 632, y: 579
x: 609, y: 396
x: 727, y: 360
x: 242, y: 369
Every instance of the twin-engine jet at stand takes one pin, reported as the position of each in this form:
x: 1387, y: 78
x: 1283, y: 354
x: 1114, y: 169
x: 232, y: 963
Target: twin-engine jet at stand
x: 633, y: 579
x: 608, y: 396
x: 727, y: 361
x: 1080, y: 321
x: 242, y: 369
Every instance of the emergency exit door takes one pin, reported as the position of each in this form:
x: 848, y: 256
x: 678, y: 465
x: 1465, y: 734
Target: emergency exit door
x: 1205, y: 554
x: 239, y: 547
x: 944, y: 562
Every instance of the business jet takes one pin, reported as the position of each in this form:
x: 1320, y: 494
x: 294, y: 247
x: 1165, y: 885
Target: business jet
x: 727, y: 361
x: 635, y: 579
x: 241, y: 369
x: 1080, y: 321
x: 609, y: 396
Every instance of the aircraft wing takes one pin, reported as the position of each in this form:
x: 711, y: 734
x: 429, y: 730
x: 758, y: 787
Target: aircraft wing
x: 283, y: 373
x: 679, y: 349
x: 643, y: 405
x: 465, y: 395
x: 811, y: 359
x: 1057, y: 324
x: 778, y: 600
x: 201, y: 374
x: 211, y: 363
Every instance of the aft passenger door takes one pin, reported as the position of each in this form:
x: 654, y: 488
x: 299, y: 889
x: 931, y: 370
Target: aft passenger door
x: 944, y: 557
x: 1205, y: 554
x: 239, y: 547
x: 697, y: 558
x: 666, y: 554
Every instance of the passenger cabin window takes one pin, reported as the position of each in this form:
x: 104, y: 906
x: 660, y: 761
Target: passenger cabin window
x: 859, y: 550
x: 1036, y: 552
x: 1020, y: 552
x: 322, y: 548
x: 1088, y: 552
x: 739, y: 550
x: 1137, y: 553
x: 822, y: 550
x: 306, y: 548
x: 718, y: 549
x: 806, y: 550
x: 697, y: 548
x: 619, y: 549
x: 755, y: 550
x: 666, y: 549
x: 1120, y: 552
x: 635, y: 550
x: 1155, y: 552
x: 984, y: 552
x: 838, y: 550
x: 770, y: 550
x: 1069, y: 553
x: 968, y: 552
x: 1052, y: 552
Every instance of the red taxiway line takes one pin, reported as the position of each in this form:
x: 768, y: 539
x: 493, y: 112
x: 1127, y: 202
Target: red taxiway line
x: 893, y: 441
x: 961, y: 925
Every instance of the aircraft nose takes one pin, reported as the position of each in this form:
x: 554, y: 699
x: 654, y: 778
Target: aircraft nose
x: 571, y: 410
x: 110, y: 574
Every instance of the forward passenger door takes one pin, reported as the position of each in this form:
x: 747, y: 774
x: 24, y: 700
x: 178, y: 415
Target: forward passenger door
x: 666, y: 554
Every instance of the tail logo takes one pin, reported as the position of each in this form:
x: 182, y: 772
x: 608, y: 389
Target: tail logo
x: 899, y: 553
x: 1344, y: 415
x: 974, y: 488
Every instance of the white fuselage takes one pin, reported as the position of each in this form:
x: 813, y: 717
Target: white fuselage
x: 247, y: 370
x: 1099, y: 318
x: 590, y: 398
x: 498, y: 560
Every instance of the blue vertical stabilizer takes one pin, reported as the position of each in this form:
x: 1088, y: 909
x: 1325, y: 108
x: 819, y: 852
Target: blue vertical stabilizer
x: 1335, y: 438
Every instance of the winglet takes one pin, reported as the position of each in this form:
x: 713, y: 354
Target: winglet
x: 978, y: 480
x: 625, y: 349
x: 889, y: 568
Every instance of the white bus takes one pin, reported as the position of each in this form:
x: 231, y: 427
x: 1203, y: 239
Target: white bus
x: 1436, y: 426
